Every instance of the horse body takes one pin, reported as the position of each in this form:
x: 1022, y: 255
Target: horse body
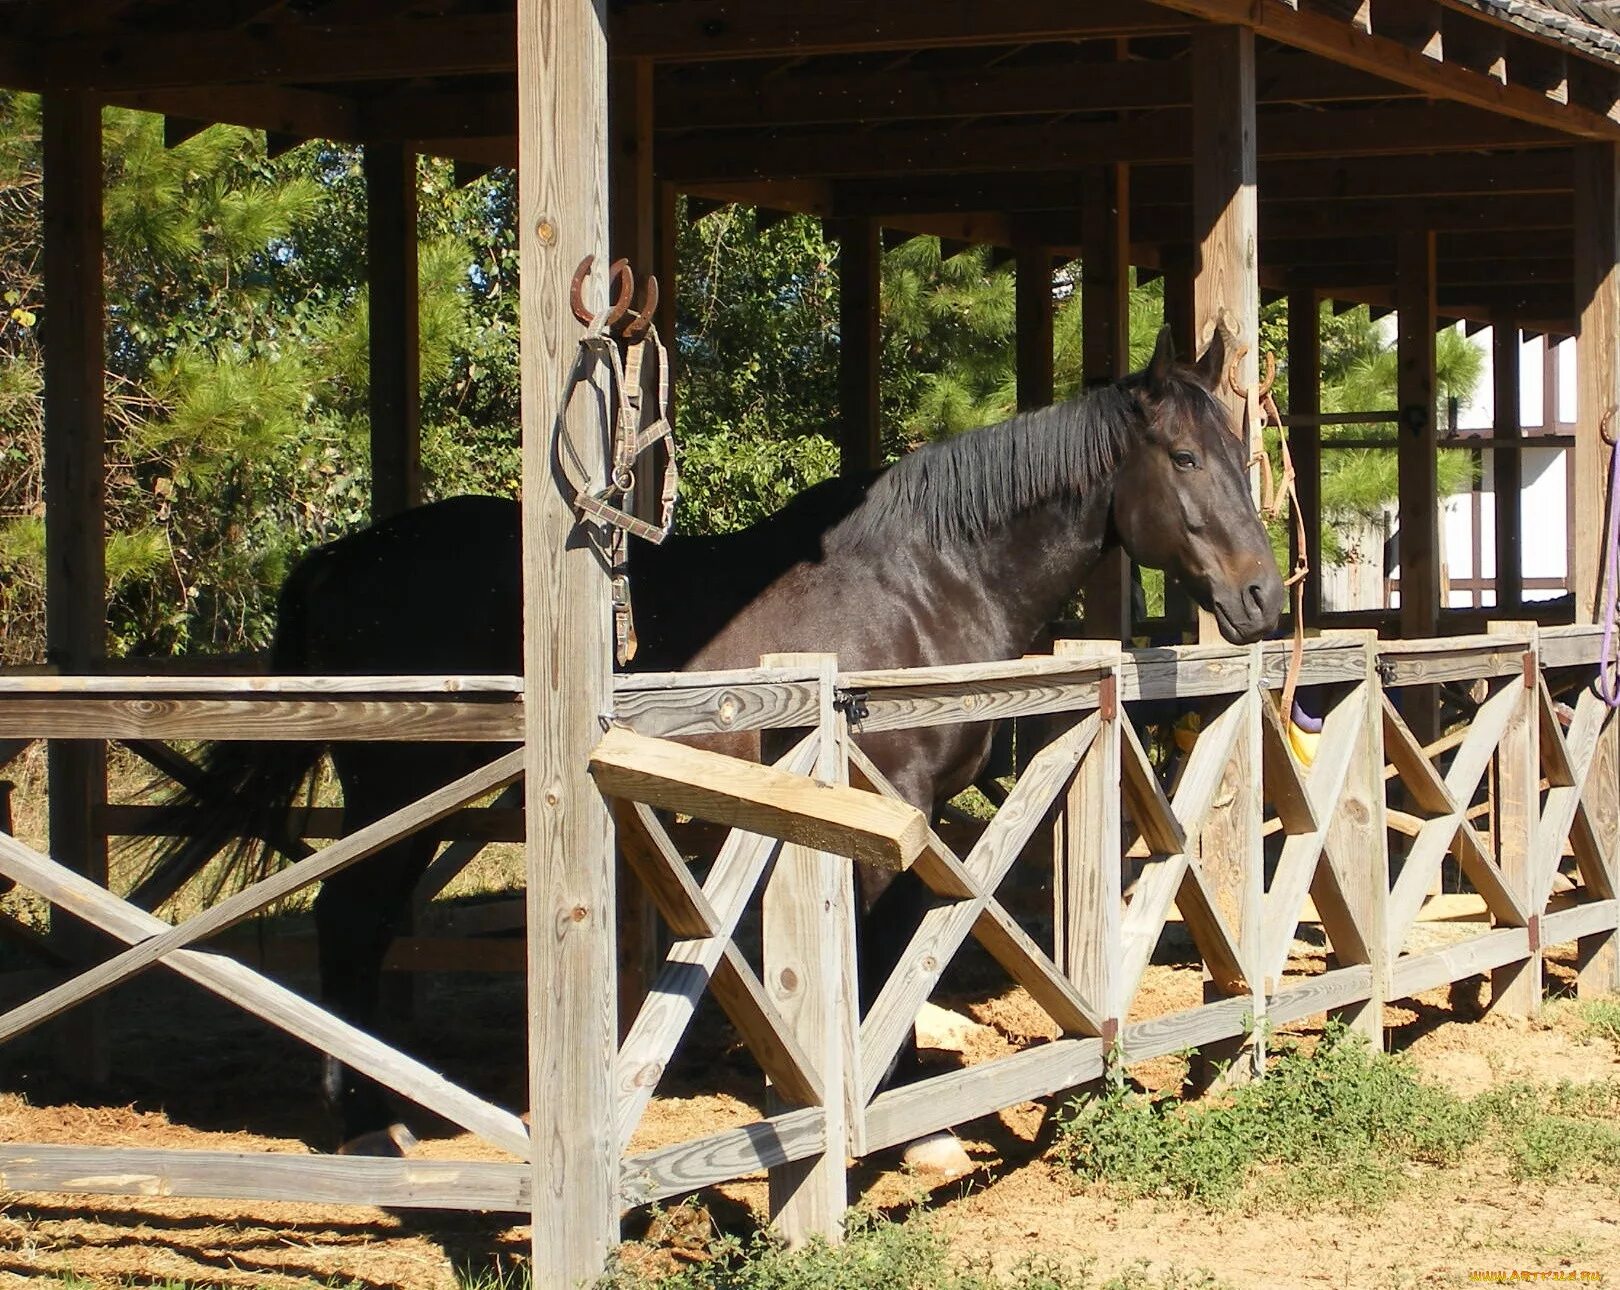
x: 960, y: 553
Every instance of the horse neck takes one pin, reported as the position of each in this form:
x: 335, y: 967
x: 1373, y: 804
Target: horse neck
x: 1024, y: 572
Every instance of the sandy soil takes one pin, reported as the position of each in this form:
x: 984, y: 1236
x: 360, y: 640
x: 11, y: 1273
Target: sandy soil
x: 168, y: 1090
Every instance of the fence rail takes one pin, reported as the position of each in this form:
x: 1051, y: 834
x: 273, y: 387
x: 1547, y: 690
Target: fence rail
x: 1224, y: 825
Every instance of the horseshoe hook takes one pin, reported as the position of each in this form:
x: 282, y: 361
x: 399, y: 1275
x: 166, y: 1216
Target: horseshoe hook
x: 624, y: 282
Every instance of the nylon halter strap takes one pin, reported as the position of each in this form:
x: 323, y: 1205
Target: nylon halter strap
x: 634, y: 431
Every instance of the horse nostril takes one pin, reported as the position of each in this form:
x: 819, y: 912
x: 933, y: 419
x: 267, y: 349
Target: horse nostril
x: 1255, y: 594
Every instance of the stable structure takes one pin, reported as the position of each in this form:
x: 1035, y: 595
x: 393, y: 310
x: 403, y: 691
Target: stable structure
x: 1449, y: 158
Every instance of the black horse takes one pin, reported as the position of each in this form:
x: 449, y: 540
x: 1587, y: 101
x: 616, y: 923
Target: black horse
x: 960, y: 552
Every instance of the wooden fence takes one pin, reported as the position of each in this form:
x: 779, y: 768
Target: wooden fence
x: 1234, y: 833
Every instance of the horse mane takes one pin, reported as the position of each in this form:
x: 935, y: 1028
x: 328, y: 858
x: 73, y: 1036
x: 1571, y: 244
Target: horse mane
x: 961, y: 488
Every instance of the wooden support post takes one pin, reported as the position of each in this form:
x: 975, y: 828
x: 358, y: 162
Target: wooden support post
x: 1305, y: 441
x: 1507, y: 467
x: 1033, y: 289
x: 633, y: 232
x: 809, y: 974
x: 1105, y: 305
x: 1232, y: 855
x: 1180, y: 302
x: 1418, y: 458
x: 860, y: 265
x: 1597, y: 361
x: 1226, y: 212
x: 394, y: 321
x: 1358, y: 846
x: 1086, y: 851
x: 1516, y: 988
x: 573, y: 1040
x: 75, y: 491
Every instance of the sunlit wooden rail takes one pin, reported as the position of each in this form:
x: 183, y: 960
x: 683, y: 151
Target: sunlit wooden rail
x: 1233, y: 835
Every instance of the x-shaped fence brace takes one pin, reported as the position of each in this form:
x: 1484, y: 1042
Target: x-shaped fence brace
x: 152, y: 941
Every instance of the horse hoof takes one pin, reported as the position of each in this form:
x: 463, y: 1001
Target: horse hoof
x: 394, y: 1142
x: 939, y: 1156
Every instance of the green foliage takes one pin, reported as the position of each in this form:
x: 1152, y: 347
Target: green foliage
x: 1601, y: 1017
x: 1343, y: 1125
x: 882, y: 1255
x: 237, y: 369
x: 1333, y: 1125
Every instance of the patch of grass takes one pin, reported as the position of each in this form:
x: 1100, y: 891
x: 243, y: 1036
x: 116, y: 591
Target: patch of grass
x: 1601, y: 1017
x: 1335, y: 1124
x: 880, y: 1255
x: 1342, y: 1125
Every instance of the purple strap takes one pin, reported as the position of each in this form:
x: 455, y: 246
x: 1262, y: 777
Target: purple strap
x: 1608, y: 676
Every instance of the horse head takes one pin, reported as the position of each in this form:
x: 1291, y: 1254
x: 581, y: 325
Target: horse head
x: 1181, y: 495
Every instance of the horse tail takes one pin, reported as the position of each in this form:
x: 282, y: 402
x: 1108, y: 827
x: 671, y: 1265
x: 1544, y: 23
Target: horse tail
x: 237, y: 797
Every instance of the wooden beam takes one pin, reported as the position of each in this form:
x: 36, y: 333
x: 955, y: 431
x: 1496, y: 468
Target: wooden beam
x: 699, y: 98
x: 75, y: 520
x: 1332, y: 220
x: 1305, y: 441
x: 1507, y: 467
x: 759, y: 799
x: 1347, y: 44
x: 280, y: 109
x: 1597, y: 360
x: 568, y: 664
x: 1225, y: 226
x: 1105, y: 338
x: 303, y: 53
x: 1033, y: 304
x: 394, y: 331
x: 705, y: 30
x: 1419, y: 503
x: 1148, y: 137
x: 860, y: 268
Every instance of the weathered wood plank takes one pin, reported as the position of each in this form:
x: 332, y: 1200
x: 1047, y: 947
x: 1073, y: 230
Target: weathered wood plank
x: 1516, y: 989
x: 653, y: 1176
x: 270, y: 720
x: 898, y: 708
x: 243, y: 904
x: 1195, y: 1028
x: 673, y: 712
x: 159, y: 687
x: 1331, y: 991
x: 265, y: 999
x: 846, y: 821
x: 1412, y: 974
x: 266, y: 1176
x: 943, y: 930
x: 1587, y: 919
x: 902, y: 1114
x: 660, y: 866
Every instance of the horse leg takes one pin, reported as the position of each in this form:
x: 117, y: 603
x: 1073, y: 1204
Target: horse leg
x: 358, y: 913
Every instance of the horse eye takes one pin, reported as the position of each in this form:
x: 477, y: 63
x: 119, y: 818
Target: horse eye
x: 1184, y: 460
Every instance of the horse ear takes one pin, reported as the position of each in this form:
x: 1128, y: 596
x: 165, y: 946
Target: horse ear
x: 1163, y: 361
x: 1212, y: 366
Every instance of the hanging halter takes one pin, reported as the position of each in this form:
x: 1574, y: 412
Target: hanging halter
x: 632, y: 433
x: 1303, y: 729
x: 1608, y: 673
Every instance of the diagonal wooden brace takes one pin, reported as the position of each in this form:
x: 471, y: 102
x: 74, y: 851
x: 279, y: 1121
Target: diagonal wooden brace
x: 268, y: 1000
x: 243, y: 904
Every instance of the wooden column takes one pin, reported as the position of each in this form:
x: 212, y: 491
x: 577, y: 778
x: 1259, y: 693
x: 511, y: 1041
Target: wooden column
x: 1508, y: 467
x: 1180, y: 307
x: 1597, y: 361
x: 860, y: 265
x: 809, y: 974
x: 1305, y: 441
x: 1105, y: 309
x: 395, y: 336
x: 75, y: 498
x: 568, y: 642
x: 1358, y: 845
x: 1226, y: 291
x: 633, y: 233
x: 1033, y: 290
x: 1226, y: 210
x: 1516, y: 988
x: 1417, y: 451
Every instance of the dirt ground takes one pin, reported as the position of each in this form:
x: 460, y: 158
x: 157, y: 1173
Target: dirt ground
x: 246, y: 1088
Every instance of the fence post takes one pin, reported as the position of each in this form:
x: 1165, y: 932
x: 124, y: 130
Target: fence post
x: 1516, y: 988
x: 1231, y: 852
x: 1358, y: 842
x: 809, y: 974
x: 1086, y: 855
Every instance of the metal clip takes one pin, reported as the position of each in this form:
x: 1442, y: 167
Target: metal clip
x: 852, y: 703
